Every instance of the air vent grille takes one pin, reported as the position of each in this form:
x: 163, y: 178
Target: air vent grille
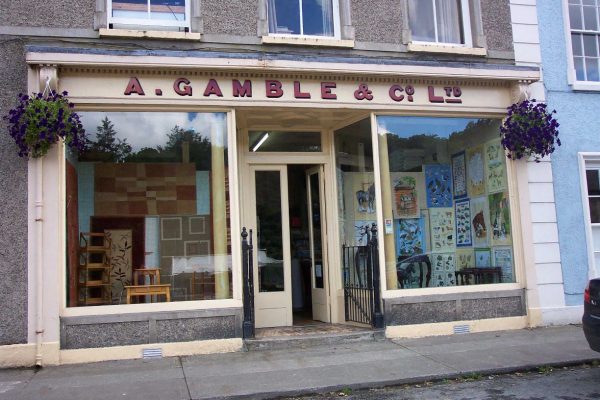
x: 152, y: 353
x: 460, y: 329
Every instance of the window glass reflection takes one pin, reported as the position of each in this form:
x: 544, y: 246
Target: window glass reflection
x: 148, y: 209
x: 445, y: 187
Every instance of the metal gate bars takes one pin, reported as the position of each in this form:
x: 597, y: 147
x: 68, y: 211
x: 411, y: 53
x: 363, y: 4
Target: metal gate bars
x: 362, y: 298
x: 248, y: 276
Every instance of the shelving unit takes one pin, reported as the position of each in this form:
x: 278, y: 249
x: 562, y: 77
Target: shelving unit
x: 94, y: 286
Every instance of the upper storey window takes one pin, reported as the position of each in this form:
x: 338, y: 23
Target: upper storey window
x: 585, y: 32
x: 167, y: 14
x: 314, y: 18
x: 440, y: 21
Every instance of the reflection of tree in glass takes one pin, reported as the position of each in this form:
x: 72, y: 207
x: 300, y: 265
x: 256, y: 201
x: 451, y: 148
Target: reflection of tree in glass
x: 199, y: 149
x: 107, y: 146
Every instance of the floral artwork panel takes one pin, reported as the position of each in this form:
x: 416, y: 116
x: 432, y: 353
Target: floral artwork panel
x: 503, y: 258
x: 480, y: 221
x: 410, y: 234
x: 121, y: 269
x: 465, y: 258
x: 496, y: 171
x: 459, y: 175
x: 475, y: 171
x: 408, y: 194
x: 500, y: 229
x: 438, y: 185
x: 444, y: 269
x: 441, y: 222
x: 483, y: 258
x: 463, y: 223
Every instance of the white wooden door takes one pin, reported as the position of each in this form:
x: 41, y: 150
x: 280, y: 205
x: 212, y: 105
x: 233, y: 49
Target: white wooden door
x: 269, y: 216
x: 315, y: 189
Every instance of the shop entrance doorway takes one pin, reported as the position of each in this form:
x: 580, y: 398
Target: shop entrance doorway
x: 287, y: 208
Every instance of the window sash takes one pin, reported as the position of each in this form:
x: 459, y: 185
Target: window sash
x: 335, y: 20
x: 464, y: 23
x: 584, y: 67
x: 148, y: 21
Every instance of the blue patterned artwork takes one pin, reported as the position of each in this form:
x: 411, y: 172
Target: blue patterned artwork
x: 410, y: 239
x: 462, y: 214
x: 438, y: 185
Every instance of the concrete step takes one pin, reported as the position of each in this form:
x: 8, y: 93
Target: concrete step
x: 314, y: 340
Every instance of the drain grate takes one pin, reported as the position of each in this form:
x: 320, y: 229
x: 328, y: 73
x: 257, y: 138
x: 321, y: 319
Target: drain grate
x: 460, y: 329
x: 152, y: 353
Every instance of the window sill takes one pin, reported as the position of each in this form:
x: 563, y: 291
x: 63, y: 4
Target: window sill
x: 307, y: 41
x: 586, y: 86
x: 437, y: 48
x: 130, y: 33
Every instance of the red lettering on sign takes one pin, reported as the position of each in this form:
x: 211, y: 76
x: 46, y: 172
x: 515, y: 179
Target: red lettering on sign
x: 298, y: 93
x: 134, y: 86
x: 394, y: 93
x: 185, y: 90
x: 212, y: 88
x: 432, y: 97
x: 326, y: 93
x: 240, y: 90
x: 274, y: 89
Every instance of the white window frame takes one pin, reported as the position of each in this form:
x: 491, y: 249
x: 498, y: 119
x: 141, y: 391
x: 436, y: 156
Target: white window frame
x: 336, y: 24
x: 466, y: 27
x: 571, y: 74
x: 147, y: 21
x: 588, y: 161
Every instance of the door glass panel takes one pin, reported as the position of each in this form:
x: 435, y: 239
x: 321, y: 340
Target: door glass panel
x: 316, y: 225
x: 270, y: 236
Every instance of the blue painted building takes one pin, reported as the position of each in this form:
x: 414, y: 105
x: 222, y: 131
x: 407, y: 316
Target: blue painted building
x: 569, y: 32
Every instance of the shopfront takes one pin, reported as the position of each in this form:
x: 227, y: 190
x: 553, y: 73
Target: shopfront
x: 145, y: 225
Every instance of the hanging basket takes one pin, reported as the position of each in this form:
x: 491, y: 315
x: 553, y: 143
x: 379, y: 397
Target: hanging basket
x: 529, y: 130
x: 38, y: 121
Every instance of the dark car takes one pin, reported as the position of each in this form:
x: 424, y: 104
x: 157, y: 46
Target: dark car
x: 591, y: 314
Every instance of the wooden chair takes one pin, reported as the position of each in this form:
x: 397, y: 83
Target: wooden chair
x: 153, y: 289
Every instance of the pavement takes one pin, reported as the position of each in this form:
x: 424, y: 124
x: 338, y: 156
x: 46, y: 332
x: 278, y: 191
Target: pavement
x: 311, y: 369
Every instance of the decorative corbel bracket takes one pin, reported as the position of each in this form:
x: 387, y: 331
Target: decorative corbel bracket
x: 48, y: 73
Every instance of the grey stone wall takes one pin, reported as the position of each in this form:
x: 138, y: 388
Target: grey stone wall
x: 454, y: 307
x: 13, y: 201
x: 146, y: 328
x: 54, y: 14
x: 497, y: 28
x: 231, y: 17
x: 377, y: 20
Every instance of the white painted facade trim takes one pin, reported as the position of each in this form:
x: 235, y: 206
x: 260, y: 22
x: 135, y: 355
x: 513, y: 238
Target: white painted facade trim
x: 545, y: 287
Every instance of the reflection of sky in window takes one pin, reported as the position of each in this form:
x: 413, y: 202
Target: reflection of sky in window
x: 314, y: 17
x: 409, y: 126
x: 287, y: 15
x: 146, y: 129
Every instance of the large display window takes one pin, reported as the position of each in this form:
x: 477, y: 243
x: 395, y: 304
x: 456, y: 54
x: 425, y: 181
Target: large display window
x: 148, y: 209
x: 446, y: 204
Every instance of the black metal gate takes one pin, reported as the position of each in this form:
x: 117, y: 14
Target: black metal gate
x: 248, y: 276
x: 362, y: 298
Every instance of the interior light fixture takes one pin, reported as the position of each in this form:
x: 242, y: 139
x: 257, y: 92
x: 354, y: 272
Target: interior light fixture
x: 261, y: 141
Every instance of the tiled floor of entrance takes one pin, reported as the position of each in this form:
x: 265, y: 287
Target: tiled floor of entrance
x: 312, y: 328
